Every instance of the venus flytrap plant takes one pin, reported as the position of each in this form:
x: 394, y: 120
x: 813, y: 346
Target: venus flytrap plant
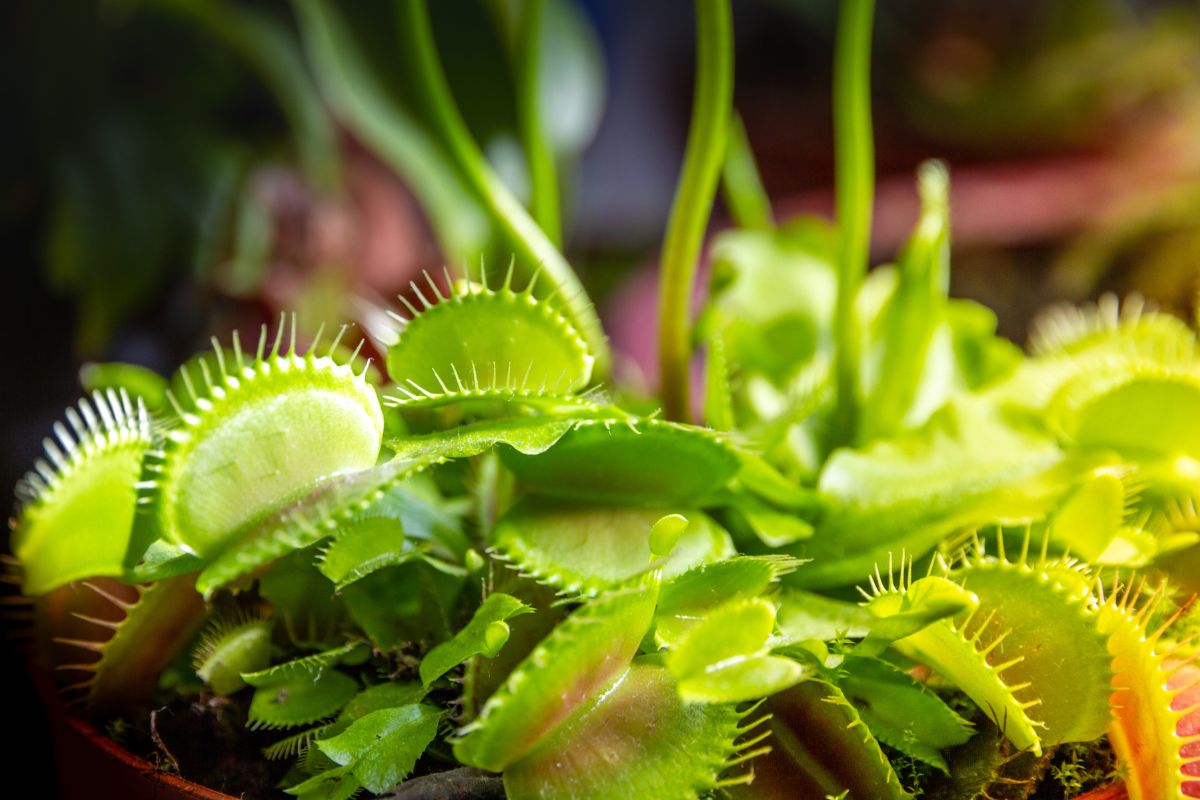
x: 486, y: 562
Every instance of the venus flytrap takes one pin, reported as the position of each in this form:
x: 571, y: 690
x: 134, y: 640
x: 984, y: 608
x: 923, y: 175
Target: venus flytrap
x: 522, y: 576
x: 230, y: 647
x: 88, y: 489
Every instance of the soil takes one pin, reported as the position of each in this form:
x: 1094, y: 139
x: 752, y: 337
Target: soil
x: 205, y: 740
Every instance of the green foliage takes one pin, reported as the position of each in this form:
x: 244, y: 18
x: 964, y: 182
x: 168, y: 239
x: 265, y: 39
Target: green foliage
x: 484, y: 635
x: 585, y: 655
x: 306, y: 667
x: 77, y: 513
x: 303, y: 599
x: 338, y: 500
x: 900, y: 711
x: 806, y: 615
x: 410, y: 602
x: 478, y: 341
x: 300, y: 700
x: 587, y: 549
x: 229, y: 648
x: 687, y: 599
x: 724, y: 658
x: 364, y: 547
x: 967, y: 467
x: 381, y: 747
x: 257, y: 435
x: 913, y: 315
x: 643, y: 579
x: 601, y: 751
x: 643, y: 462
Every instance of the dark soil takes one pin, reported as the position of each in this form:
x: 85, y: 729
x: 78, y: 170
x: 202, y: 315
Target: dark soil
x: 206, y: 741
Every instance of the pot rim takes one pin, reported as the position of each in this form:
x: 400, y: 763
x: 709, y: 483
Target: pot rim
x: 141, y: 766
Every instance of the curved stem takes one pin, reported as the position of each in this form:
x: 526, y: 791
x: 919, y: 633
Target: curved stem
x: 711, y: 104
x: 360, y: 100
x: 530, y: 243
x: 741, y: 185
x: 855, y: 161
x: 543, y: 174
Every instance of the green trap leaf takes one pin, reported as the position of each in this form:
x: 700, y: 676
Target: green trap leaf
x: 642, y: 462
x: 228, y: 648
x: 636, y: 740
x: 484, y: 635
x: 309, y: 667
x: 1044, y: 614
x: 300, y: 700
x: 724, y: 658
x: 581, y: 658
x: 336, y: 501
x: 528, y: 435
x: 903, y: 611
x: 364, y: 547
x: 687, y: 599
x: 479, y: 339
x: 585, y: 549
x: 1138, y: 412
x: 900, y: 711
x: 820, y: 747
x: 257, y: 436
x: 77, y: 514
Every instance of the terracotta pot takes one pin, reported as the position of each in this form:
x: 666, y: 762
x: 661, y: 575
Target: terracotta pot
x: 92, y: 766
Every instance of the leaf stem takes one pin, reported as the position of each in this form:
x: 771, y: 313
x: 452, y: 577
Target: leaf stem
x: 741, y: 184
x: 543, y: 173
x: 531, y: 244
x: 855, y: 184
x: 359, y: 98
x: 711, y: 105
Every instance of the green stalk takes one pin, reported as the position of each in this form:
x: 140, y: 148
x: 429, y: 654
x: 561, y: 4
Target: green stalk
x: 543, y: 173
x: 531, y: 244
x: 741, y: 185
x: 360, y: 100
x: 705, y: 152
x: 855, y: 161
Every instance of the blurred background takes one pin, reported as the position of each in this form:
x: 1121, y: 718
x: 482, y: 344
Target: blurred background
x: 175, y: 169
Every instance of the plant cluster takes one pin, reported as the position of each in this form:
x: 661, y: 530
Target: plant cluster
x: 486, y: 560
